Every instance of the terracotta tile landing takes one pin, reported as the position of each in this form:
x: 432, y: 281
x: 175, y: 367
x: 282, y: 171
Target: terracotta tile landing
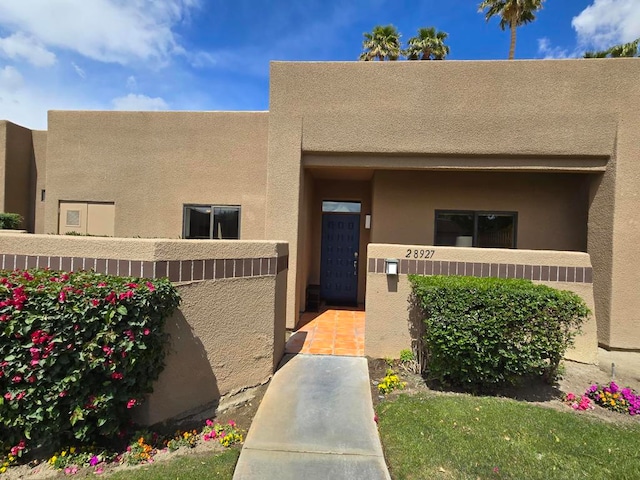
x: 329, y: 332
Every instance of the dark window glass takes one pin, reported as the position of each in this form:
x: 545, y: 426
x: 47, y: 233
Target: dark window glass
x: 476, y: 229
x: 495, y: 230
x: 198, y: 222
x: 226, y: 223
x: 454, y: 229
x: 208, y: 222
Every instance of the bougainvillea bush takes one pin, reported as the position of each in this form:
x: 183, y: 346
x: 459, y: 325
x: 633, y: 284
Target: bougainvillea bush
x: 77, y: 352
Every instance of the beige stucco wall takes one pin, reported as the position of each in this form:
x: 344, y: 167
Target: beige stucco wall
x: 573, y: 112
x: 228, y: 334
x: 16, y: 173
x: 552, y: 208
x: 39, y: 178
x: 3, y: 161
x: 387, y: 328
x: 152, y: 163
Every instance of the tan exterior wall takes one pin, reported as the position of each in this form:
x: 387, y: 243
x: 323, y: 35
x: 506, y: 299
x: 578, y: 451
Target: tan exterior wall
x: 150, y: 164
x: 39, y: 178
x: 229, y: 331
x: 573, y: 112
x: 552, y: 208
x: 3, y: 162
x: 18, y: 164
x: 388, y: 314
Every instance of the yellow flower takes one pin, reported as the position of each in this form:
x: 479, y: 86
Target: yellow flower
x: 72, y: 450
x: 3, y: 469
x: 53, y: 459
x: 63, y: 453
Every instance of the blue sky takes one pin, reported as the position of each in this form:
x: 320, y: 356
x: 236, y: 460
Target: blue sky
x: 214, y: 54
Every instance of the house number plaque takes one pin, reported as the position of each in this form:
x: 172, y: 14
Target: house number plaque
x: 419, y: 253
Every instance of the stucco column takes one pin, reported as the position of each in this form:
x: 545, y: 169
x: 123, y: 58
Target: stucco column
x: 625, y: 274
x: 284, y: 193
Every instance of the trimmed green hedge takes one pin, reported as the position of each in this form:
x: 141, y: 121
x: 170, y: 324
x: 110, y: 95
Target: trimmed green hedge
x: 480, y: 333
x: 77, y: 352
x: 10, y: 221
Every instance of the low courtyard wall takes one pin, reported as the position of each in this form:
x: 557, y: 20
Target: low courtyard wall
x: 228, y: 333
x: 391, y: 316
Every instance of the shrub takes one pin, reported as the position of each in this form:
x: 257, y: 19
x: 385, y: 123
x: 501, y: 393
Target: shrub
x: 481, y: 333
x: 77, y: 352
x: 10, y: 221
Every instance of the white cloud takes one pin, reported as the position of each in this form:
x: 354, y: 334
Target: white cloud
x: 21, y: 46
x: 133, y: 102
x: 547, y: 51
x: 118, y: 31
x: 132, y: 83
x: 81, y: 73
x: 11, y: 80
x: 608, y: 22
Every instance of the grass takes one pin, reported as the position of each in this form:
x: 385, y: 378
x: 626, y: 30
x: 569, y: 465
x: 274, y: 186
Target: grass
x: 189, y: 467
x: 464, y: 437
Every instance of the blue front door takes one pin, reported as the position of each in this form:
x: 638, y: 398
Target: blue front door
x: 339, y: 258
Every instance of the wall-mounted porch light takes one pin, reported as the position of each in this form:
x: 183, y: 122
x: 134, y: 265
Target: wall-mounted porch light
x: 367, y: 221
x: 391, y: 266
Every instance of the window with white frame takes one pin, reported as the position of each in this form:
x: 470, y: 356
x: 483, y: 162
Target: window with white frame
x: 457, y: 228
x: 220, y: 222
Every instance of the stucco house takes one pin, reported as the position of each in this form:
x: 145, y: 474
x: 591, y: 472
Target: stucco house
x: 528, y: 157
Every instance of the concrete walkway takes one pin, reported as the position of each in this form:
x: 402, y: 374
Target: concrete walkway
x: 315, y: 422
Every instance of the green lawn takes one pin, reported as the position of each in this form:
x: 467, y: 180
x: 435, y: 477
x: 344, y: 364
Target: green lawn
x: 466, y: 437
x: 189, y: 467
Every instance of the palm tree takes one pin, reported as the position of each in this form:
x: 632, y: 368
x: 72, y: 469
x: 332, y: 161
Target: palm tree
x: 427, y: 45
x: 382, y: 43
x: 624, y: 50
x: 513, y: 13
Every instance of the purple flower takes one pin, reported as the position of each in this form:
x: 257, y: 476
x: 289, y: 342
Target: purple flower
x: 94, y: 461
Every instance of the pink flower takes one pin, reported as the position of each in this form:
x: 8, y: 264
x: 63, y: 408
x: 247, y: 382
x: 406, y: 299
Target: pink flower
x: 232, y: 423
x: 99, y: 470
x: 150, y: 286
x: 208, y: 423
x: 71, y: 470
x: 16, y: 379
x: 146, y: 331
x: 20, y: 396
x: 131, y: 403
x: 102, y: 284
x: 95, y: 302
x: 62, y: 394
x: 116, y: 376
x: 125, y: 295
x: 570, y: 397
x: 8, y: 396
x: 62, y: 297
